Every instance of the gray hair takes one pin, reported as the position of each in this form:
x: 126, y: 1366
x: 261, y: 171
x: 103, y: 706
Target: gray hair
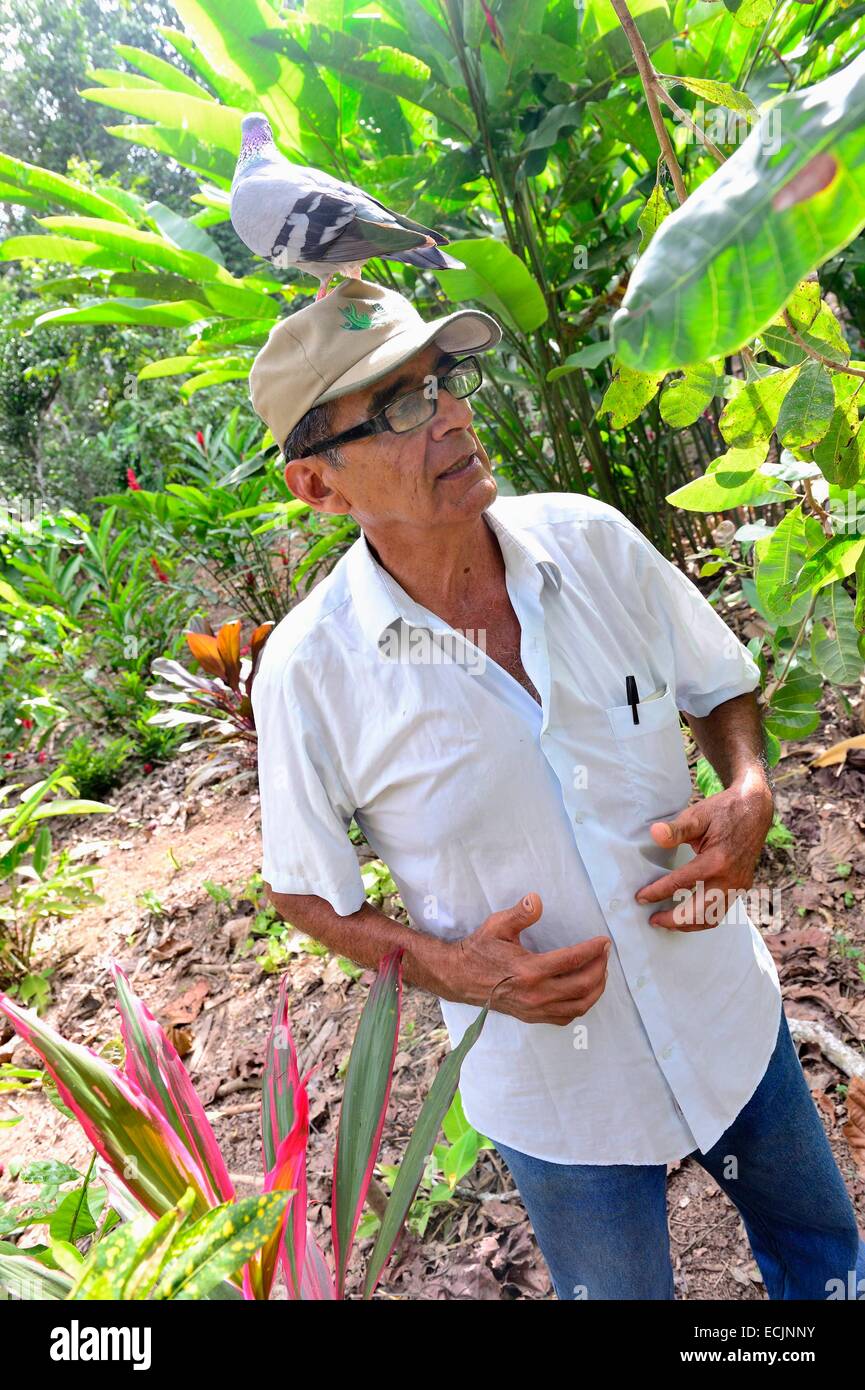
x: 314, y: 425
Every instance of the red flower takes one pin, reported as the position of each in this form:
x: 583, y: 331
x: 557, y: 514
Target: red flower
x: 27, y: 723
x: 160, y: 573
x: 200, y: 438
x: 8, y: 756
x: 41, y: 756
x: 244, y: 650
x: 132, y: 480
x: 148, y: 767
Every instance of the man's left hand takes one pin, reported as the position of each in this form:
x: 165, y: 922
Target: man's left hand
x: 727, y: 832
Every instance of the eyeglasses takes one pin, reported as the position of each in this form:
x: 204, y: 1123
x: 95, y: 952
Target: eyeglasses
x: 413, y: 408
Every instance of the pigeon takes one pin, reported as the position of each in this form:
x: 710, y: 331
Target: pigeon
x: 293, y: 215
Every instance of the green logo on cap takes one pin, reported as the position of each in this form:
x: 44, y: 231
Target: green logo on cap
x: 355, y: 318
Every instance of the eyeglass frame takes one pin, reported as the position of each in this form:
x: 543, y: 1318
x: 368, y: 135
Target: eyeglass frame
x: 379, y: 423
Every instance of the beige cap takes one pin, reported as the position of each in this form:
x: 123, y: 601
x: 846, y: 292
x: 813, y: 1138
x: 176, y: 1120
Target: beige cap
x: 353, y: 336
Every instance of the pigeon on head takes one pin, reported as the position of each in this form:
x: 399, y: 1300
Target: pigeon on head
x: 294, y: 215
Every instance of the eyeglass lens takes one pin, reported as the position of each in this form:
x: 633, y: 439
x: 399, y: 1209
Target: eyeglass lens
x: 415, y: 407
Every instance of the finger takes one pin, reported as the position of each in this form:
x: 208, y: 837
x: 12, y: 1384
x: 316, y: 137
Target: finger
x: 576, y: 986
x: 508, y: 923
x: 564, y: 960
x: 578, y: 1008
x: 670, y: 922
x: 701, y: 867
x: 706, y: 907
x: 690, y: 824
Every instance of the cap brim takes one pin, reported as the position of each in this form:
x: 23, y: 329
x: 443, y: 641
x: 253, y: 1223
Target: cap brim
x: 467, y: 330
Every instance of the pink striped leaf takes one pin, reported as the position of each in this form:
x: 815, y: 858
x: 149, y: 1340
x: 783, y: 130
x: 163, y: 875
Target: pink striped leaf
x: 364, y: 1104
x: 154, y: 1066
x: 317, y: 1280
x: 284, y: 1138
x: 122, y: 1124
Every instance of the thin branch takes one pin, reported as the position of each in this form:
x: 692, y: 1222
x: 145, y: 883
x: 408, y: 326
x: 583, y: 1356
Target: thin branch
x: 682, y: 115
x: 649, y: 79
x: 818, y: 356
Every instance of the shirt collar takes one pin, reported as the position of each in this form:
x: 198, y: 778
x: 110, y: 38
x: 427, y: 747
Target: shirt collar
x: 380, y: 601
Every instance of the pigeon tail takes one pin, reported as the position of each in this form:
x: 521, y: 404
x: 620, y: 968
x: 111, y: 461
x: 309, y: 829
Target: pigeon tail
x: 427, y: 258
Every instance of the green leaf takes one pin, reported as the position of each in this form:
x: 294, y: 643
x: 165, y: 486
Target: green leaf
x: 64, y: 250
x: 424, y: 1134
x: 164, y: 73
x: 173, y: 315
x: 780, y: 558
x: 684, y: 400
x: 657, y: 209
x: 792, y: 711
x: 840, y: 454
x: 213, y: 164
x: 750, y: 417
x: 25, y: 1278
x: 590, y: 356
x: 834, y: 560
x: 718, y: 93
x: 734, y: 480
x: 608, y: 52
x: 496, y: 278
x: 807, y: 408
x: 145, y: 246
x: 219, y: 1244
x: 722, y: 266
x: 751, y: 13
x: 836, y: 652
x: 183, y: 233
x: 208, y: 120
x: 364, y: 1102
x: 51, y: 188
x: 628, y: 394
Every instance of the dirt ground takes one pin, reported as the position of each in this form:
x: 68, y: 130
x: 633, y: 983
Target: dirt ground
x: 185, y: 955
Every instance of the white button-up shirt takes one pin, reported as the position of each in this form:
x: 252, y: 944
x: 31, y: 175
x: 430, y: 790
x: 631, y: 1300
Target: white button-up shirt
x: 369, y: 705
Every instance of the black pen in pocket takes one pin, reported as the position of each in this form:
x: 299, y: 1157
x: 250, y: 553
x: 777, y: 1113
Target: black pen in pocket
x: 632, y: 696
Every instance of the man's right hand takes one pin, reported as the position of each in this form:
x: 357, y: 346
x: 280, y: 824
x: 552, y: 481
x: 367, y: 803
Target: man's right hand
x: 535, y: 986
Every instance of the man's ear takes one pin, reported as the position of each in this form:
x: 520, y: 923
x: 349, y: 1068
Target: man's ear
x: 305, y: 478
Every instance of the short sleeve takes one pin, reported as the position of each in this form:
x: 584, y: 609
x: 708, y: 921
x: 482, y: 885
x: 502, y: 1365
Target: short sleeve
x: 305, y: 808
x: 711, y: 664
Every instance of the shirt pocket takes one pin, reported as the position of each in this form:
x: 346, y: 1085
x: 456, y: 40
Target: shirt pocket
x: 652, y: 754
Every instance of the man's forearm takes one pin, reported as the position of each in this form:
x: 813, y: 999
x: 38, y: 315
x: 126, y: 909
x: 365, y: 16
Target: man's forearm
x: 732, y: 739
x: 365, y: 936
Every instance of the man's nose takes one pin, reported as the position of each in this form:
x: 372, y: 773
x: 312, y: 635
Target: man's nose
x: 452, y: 413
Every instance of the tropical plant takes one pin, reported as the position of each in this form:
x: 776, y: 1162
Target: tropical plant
x: 149, y: 1127
x: 219, y: 702
x: 550, y: 142
x: 34, y: 887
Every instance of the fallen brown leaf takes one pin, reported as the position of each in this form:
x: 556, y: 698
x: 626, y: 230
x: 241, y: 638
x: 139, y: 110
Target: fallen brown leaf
x: 854, y: 1129
x: 838, y: 752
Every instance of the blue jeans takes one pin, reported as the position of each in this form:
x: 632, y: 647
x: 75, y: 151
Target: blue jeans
x: 602, y: 1229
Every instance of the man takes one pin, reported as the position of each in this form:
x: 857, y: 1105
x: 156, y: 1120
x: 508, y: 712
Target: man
x: 491, y: 688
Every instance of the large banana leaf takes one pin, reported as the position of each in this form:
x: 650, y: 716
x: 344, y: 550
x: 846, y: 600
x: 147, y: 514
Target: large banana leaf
x: 720, y: 268
x: 496, y: 278
x: 48, y: 188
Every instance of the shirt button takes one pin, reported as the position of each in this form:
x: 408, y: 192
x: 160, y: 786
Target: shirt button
x: 641, y: 980
x: 614, y: 904
x: 578, y: 820
x: 667, y: 1052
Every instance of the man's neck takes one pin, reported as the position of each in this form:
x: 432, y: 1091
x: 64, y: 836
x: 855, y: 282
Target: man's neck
x: 451, y: 574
